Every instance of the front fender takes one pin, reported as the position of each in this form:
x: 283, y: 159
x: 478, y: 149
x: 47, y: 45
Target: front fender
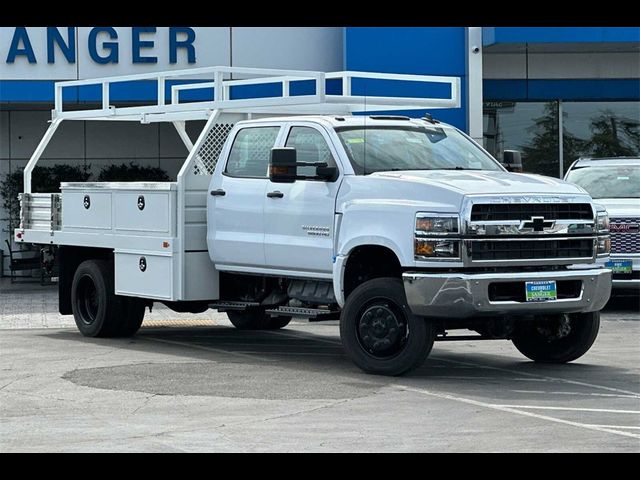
x: 340, y: 261
x: 362, y: 225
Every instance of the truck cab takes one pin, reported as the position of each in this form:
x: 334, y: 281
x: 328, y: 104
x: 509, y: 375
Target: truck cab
x: 411, y: 205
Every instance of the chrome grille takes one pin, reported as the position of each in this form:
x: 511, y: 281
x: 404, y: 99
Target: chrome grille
x: 625, y: 242
x: 484, y: 212
x: 538, y: 249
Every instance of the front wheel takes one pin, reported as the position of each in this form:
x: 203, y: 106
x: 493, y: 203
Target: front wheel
x: 380, y: 333
x: 558, y: 339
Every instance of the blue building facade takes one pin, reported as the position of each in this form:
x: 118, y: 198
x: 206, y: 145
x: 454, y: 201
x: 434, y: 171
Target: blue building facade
x: 554, y: 93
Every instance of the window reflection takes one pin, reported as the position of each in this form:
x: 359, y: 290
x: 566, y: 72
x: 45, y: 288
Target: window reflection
x: 602, y: 129
x: 530, y: 127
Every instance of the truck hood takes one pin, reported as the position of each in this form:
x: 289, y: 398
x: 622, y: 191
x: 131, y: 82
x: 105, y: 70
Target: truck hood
x: 468, y: 182
x: 620, y: 207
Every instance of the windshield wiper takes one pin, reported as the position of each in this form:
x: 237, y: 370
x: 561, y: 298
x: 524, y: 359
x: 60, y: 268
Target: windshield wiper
x: 457, y: 168
x: 398, y: 169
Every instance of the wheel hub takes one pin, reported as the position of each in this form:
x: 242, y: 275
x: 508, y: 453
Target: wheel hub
x: 380, y: 330
x: 88, y: 300
x: 555, y: 328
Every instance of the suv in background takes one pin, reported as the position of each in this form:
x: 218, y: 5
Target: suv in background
x: 615, y: 184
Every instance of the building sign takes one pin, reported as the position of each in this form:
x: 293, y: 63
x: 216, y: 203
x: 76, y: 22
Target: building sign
x: 102, y: 45
x: 67, y: 53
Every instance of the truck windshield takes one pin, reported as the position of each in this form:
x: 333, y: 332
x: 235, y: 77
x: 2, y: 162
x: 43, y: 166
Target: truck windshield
x: 611, y: 181
x: 379, y: 149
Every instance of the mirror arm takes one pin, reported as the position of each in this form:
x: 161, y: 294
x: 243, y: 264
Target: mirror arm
x: 311, y: 164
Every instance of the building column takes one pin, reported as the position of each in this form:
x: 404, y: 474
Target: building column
x: 474, y: 82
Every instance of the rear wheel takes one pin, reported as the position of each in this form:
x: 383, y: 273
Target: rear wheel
x: 558, y: 338
x: 256, y: 319
x: 380, y: 333
x: 97, y: 311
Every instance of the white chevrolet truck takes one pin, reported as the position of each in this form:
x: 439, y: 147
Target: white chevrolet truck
x: 289, y: 206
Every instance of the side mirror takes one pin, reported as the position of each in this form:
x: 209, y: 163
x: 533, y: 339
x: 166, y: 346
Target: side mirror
x: 327, y: 173
x: 283, y: 167
x: 512, y: 161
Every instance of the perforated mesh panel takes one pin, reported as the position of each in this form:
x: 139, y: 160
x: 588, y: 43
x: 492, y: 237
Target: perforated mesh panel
x: 208, y: 153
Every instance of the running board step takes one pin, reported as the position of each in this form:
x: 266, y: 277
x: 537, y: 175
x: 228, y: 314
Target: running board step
x: 313, y: 314
x: 224, y: 306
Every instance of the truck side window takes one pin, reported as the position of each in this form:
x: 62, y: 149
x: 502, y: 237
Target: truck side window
x: 249, y: 156
x: 311, y: 147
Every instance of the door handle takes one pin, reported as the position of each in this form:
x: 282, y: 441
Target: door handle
x: 218, y: 193
x: 276, y: 194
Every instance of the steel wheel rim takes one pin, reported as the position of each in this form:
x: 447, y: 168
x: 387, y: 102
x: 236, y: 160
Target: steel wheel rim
x: 87, y: 302
x: 382, y: 329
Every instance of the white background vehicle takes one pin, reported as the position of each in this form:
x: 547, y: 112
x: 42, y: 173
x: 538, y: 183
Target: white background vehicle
x: 403, y: 229
x: 615, y: 184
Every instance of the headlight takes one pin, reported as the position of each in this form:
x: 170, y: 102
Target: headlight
x: 602, y: 221
x: 427, y: 224
x: 432, y: 237
x: 604, y: 240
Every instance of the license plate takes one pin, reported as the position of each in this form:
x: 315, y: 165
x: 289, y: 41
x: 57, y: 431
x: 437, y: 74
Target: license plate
x: 541, y: 291
x: 620, y: 266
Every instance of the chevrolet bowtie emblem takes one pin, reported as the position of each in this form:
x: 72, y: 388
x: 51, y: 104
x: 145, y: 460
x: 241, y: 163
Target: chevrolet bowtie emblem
x: 537, y: 224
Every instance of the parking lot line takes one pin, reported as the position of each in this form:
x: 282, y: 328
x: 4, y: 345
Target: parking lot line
x: 516, y: 411
x: 571, y: 409
x: 615, y: 426
x: 537, y: 375
x: 609, y: 395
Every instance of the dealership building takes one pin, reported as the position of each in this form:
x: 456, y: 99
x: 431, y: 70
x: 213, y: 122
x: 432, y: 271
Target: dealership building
x: 553, y: 93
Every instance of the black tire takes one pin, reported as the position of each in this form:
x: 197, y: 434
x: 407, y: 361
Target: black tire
x: 276, y: 323
x: 543, y: 341
x: 132, y: 315
x: 97, y: 311
x: 379, y: 332
x: 256, y: 319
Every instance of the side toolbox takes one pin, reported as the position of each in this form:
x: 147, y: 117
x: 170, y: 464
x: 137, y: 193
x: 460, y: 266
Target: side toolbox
x: 144, y: 275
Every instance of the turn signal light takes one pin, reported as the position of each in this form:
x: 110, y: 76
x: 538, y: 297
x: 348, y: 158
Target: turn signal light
x: 424, y: 248
x: 442, y: 249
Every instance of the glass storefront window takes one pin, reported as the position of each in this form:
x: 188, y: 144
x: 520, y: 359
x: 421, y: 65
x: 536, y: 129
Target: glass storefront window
x: 602, y: 129
x: 530, y: 127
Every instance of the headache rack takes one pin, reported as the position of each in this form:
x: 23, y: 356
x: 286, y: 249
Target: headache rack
x: 170, y: 217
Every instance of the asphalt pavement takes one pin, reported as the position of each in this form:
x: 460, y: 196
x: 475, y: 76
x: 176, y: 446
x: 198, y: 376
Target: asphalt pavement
x: 188, y: 383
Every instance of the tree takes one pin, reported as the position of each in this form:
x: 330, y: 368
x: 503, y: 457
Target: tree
x: 613, y: 136
x: 541, y: 154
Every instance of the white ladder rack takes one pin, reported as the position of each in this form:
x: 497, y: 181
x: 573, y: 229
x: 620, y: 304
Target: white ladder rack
x: 221, y: 80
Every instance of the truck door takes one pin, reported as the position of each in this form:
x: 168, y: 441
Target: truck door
x: 299, y: 216
x: 236, y: 200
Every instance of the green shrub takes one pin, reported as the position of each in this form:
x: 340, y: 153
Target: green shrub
x: 48, y: 179
x: 132, y: 173
x: 43, y: 180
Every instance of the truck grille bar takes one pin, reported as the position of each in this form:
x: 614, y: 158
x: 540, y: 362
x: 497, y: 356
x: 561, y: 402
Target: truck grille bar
x: 523, y: 211
x: 538, y: 249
